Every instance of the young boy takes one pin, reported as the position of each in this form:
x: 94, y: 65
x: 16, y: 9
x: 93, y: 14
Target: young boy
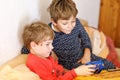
x: 71, y: 43
x: 38, y: 38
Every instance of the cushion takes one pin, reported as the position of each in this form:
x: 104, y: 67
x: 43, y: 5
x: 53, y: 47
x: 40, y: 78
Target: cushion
x: 20, y: 59
x: 20, y: 72
x: 112, y: 56
x: 98, y: 41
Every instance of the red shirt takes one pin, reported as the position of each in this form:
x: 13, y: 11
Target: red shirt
x: 48, y: 69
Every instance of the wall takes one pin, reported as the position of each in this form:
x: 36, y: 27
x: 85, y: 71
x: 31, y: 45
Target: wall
x: 89, y: 10
x: 14, y: 14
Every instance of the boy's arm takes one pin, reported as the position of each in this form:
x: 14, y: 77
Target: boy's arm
x: 85, y: 40
x: 86, y: 57
x: 87, y: 54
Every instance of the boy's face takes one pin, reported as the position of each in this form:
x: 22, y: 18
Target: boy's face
x: 65, y: 26
x: 43, y: 49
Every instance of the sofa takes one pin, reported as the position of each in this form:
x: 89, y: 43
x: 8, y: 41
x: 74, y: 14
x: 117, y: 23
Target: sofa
x: 15, y: 69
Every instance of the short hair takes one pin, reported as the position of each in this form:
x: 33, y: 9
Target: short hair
x: 37, y: 32
x: 62, y: 9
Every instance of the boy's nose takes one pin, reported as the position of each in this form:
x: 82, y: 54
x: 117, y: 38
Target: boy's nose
x: 70, y: 25
x: 52, y: 47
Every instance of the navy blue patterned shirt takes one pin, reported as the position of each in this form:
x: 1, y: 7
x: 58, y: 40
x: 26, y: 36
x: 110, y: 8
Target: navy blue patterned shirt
x: 70, y: 47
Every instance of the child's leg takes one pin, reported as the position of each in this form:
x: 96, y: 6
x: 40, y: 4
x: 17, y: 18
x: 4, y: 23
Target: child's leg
x: 107, y: 64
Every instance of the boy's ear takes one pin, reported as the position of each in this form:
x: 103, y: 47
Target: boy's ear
x: 32, y: 44
x: 53, y: 22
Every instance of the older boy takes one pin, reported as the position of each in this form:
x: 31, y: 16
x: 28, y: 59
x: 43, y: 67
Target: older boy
x: 71, y: 43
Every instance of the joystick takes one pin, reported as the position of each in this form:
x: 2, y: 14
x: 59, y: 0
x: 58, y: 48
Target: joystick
x: 99, y: 66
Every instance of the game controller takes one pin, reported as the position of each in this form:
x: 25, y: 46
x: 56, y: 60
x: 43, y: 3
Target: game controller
x: 99, y: 66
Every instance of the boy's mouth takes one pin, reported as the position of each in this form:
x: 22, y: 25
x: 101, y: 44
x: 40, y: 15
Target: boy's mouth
x: 68, y: 31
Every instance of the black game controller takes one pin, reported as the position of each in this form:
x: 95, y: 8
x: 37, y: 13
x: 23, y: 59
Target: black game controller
x: 99, y: 66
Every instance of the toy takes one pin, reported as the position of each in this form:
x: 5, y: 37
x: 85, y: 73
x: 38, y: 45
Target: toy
x: 99, y: 66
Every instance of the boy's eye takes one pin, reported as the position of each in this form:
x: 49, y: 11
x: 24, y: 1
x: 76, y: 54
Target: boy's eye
x: 73, y: 21
x: 47, y: 44
x: 64, y: 23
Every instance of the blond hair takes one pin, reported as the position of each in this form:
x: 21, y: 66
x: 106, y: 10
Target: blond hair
x: 62, y: 9
x: 37, y: 32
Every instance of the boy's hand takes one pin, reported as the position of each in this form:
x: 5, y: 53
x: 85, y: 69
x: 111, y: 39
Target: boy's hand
x: 86, y: 58
x: 85, y: 70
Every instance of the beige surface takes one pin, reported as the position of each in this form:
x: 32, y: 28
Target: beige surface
x: 21, y: 72
x: 20, y: 59
x: 104, y: 75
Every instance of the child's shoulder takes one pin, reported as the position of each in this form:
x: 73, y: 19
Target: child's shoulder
x: 78, y: 22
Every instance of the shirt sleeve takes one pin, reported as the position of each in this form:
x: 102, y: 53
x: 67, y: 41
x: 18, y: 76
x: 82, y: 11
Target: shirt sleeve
x: 85, y: 40
x: 70, y: 75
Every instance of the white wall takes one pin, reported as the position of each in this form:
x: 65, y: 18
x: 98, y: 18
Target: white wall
x: 89, y: 10
x: 14, y: 14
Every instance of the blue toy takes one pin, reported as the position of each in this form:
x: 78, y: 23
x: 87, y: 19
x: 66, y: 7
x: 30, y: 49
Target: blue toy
x: 99, y: 66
